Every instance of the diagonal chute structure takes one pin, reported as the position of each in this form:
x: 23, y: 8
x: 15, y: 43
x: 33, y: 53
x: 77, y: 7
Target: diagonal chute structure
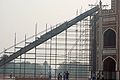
x: 49, y: 35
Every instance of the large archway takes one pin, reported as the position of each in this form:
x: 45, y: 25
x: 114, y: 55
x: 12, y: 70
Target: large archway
x: 109, y: 67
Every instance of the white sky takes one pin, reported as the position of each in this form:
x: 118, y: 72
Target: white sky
x: 20, y: 16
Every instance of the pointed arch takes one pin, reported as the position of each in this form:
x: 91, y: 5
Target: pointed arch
x: 110, y: 58
x: 109, y: 64
x: 109, y: 68
x: 109, y: 39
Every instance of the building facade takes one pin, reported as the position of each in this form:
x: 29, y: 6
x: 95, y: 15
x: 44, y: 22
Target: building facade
x: 108, y: 41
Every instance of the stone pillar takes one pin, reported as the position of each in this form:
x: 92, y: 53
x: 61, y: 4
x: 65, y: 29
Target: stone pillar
x: 100, y: 63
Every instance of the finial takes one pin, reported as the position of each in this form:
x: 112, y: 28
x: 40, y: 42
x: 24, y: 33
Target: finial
x: 100, y: 3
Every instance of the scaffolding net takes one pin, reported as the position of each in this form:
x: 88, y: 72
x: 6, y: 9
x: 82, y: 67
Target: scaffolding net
x: 67, y: 55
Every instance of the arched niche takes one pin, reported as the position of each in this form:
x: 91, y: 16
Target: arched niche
x: 109, y: 69
x: 109, y: 39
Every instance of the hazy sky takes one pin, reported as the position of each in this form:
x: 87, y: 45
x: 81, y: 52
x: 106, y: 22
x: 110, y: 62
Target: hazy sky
x: 20, y: 16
